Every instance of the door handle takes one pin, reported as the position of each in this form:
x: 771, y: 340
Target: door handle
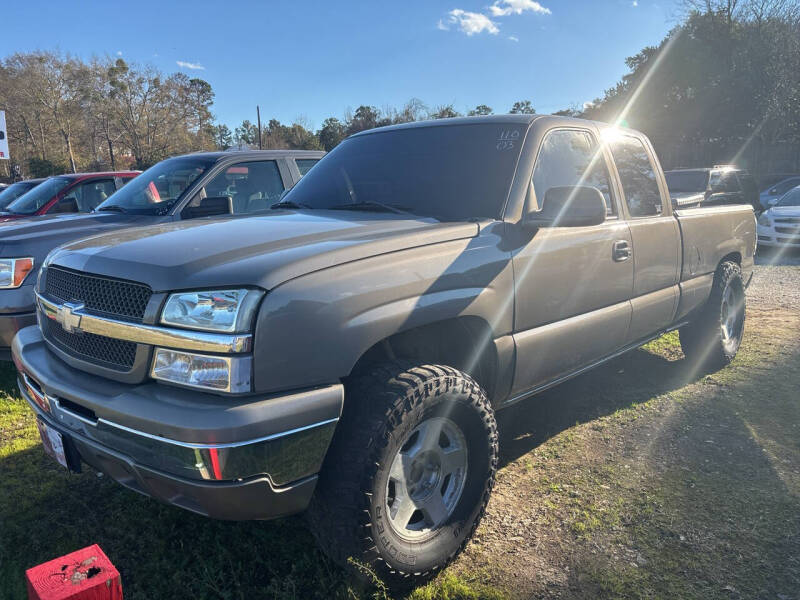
x: 621, y: 251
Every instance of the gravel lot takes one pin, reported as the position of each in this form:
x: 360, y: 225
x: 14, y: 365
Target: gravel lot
x: 776, y: 282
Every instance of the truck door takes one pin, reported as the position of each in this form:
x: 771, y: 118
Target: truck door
x: 656, y: 251
x: 572, y: 284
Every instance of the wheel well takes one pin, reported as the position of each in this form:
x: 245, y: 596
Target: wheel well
x: 464, y: 343
x: 732, y: 257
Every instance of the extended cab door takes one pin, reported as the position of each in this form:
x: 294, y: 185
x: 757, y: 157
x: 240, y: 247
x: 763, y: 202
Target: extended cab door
x: 572, y: 284
x: 656, y: 251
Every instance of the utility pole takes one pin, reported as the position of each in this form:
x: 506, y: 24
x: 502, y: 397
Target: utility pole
x: 258, y: 116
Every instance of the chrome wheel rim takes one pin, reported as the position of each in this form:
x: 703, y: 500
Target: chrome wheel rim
x: 426, y: 478
x: 731, y: 315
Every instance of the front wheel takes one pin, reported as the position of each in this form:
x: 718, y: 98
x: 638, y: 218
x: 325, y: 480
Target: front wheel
x: 409, y: 472
x: 713, y: 337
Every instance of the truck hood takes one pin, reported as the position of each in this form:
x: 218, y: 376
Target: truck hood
x: 262, y: 251
x: 39, y: 235
x: 777, y: 212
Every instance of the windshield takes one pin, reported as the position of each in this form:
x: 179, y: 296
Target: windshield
x: 686, y: 181
x: 449, y: 172
x: 14, y: 191
x: 790, y: 198
x: 158, y: 189
x: 31, y: 201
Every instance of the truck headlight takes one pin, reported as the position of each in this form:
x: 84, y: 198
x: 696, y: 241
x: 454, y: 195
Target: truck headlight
x: 13, y: 271
x: 763, y: 219
x: 229, y: 311
x: 215, y: 373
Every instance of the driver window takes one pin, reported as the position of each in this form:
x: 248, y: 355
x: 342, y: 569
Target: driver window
x: 570, y: 157
x: 253, y: 185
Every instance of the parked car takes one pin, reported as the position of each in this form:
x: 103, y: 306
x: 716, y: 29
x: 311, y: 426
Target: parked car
x: 63, y: 194
x: 346, y: 351
x: 779, y: 226
x: 180, y: 188
x: 714, y: 186
x: 17, y: 189
x: 771, y: 195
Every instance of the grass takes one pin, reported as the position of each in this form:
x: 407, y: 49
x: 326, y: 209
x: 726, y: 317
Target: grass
x: 642, y: 479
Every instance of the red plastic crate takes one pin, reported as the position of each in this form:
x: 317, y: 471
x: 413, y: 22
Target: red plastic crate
x: 85, y: 574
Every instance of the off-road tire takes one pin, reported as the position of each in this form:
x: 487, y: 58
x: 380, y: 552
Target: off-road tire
x: 383, y: 407
x: 702, y: 340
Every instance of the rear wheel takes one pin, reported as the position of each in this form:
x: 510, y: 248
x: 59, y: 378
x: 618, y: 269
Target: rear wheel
x: 409, y: 472
x: 715, y: 334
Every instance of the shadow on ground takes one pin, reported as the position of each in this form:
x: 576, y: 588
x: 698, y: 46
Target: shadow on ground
x: 630, y: 379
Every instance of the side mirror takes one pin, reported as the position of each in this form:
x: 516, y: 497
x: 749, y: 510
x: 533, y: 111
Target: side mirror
x: 66, y: 205
x: 569, y: 206
x: 209, y: 207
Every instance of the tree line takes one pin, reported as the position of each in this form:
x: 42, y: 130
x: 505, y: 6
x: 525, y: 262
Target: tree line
x: 723, y: 86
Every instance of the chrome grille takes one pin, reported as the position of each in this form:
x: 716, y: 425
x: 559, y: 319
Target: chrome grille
x: 113, y: 297
x: 100, y: 350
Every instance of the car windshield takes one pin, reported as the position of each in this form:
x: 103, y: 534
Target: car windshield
x: 158, y: 189
x: 14, y: 191
x: 790, y: 198
x: 33, y: 200
x: 449, y: 172
x: 686, y: 181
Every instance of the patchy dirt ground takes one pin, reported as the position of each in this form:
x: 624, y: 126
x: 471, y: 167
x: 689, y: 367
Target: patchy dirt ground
x: 646, y: 479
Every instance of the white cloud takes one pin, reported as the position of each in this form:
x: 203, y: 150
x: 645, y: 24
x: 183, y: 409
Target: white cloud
x: 442, y: 26
x: 502, y: 8
x: 472, y: 23
x: 188, y: 65
x: 635, y: 3
x: 513, y: 38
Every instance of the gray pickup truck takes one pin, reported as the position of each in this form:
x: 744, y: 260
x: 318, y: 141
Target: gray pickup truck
x: 346, y: 352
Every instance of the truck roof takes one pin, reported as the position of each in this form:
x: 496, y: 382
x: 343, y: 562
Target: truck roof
x: 260, y: 154
x: 516, y: 119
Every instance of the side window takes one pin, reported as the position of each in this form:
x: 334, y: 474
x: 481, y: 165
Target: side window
x: 724, y: 182
x: 638, y: 176
x: 252, y: 185
x: 121, y: 181
x: 305, y: 164
x: 91, y: 194
x: 571, y: 157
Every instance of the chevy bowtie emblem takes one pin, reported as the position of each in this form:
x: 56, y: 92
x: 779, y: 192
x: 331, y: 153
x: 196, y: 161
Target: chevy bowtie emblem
x: 67, y: 316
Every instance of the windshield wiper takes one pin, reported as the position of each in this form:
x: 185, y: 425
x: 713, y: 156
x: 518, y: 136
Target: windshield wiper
x: 371, y: 205
x: 114, y: 207
x: 288, y: 204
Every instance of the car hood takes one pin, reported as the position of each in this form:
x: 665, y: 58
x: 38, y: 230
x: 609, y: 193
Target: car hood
x: 259, y: 251
x: 784, y: 211
x: 38, y: 236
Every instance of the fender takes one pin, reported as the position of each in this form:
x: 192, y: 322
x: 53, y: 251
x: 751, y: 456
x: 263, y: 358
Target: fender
x: 313, y: 329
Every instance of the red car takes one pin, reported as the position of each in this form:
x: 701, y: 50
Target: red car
x: 62, y: 194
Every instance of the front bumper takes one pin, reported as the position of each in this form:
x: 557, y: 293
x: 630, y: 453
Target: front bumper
x: 19, y: 311
x: 787, y: 237
x: 9, y: 326
x: 228, y: 458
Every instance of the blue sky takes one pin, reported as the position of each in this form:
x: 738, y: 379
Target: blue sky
x: 315, y: 59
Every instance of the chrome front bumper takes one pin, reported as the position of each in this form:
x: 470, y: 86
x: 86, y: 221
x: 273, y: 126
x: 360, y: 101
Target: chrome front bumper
x: 181, y: 435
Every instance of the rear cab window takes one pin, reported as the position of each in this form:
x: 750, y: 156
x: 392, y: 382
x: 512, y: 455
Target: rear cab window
x: 305, y: 164
x: 637, y: 175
